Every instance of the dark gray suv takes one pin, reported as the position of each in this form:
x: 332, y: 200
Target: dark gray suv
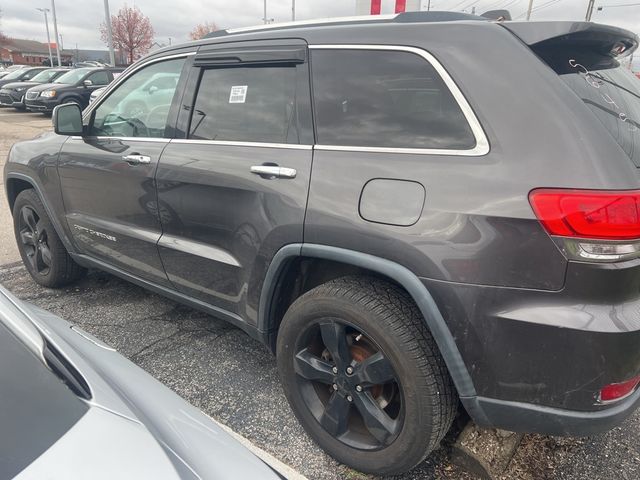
x: 415, y: 213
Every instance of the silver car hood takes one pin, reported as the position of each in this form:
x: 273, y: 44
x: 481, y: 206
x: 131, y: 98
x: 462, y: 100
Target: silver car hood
x: 135, y: 427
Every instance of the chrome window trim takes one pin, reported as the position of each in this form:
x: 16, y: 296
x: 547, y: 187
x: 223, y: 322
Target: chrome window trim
x: 482, y: 143
x: 86, y: 114
x: 231, y: 143
x: 125, y: 139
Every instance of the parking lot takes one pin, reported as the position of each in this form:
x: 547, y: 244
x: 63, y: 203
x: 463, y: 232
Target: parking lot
x: 233, y: 378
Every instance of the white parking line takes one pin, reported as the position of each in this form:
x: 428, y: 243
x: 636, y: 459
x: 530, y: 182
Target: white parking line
x: 282, y: 468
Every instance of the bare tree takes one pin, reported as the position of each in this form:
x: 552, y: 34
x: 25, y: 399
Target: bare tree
x: 202, y: 29
x: 132, y: 32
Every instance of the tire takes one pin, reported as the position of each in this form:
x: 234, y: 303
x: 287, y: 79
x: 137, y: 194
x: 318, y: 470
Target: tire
x: 379, y: 321
x: 42, y: 251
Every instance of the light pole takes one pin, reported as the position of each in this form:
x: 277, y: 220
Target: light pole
x: 107, y: 18
x: 55, y: 31
x: 265, y: 12
x: 46, y: 22
x: 293, y: 10
x: 529, y: 10
x: 589, y: 10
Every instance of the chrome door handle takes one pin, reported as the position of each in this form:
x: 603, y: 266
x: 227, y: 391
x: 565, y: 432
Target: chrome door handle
x: 274, y: 171
x: 136, y: 159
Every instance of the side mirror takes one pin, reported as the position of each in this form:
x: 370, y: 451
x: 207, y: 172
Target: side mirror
x: 87, y: 83
x: 67, y: 119
x: 152, y: 89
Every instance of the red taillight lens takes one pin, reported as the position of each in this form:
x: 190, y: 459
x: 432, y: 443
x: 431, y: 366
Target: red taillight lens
x: 602, y: 214
x: 616, y: 391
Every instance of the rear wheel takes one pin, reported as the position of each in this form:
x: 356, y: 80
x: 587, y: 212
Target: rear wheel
x: 363, y: 375
x: 42, y: 251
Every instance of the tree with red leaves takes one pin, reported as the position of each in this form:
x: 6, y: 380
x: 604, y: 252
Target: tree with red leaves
x: 201, y: 30
x: 132, y: 32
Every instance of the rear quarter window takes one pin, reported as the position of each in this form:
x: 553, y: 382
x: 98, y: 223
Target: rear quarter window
x: 385, y: 98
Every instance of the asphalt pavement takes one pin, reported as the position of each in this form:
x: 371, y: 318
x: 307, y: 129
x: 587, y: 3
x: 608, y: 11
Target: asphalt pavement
x: 233, y: 378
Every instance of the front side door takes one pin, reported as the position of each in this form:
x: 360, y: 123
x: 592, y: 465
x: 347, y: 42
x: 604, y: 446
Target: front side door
x: 107, y: 177
x: 233, y: 191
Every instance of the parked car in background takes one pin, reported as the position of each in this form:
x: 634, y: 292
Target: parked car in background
x: 21, y: 75
x: 72, y: 407
x: 3, y: 73
x: 75, y: 86
x: 361, y: 196
x: 89, y: 63
x: 96, y: 93
x: 17, y: 67
x: 12, y: 94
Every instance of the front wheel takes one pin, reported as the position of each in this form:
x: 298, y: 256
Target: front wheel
x: 42, y: 251
x: 364, y: 376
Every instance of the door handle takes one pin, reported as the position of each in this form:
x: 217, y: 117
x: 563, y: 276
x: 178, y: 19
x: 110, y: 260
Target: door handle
x: 274, y: 171
x: 136, y: 159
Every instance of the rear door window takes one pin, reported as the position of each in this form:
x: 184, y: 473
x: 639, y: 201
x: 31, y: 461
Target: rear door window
x: 381, y: 98
x: 246, y: 104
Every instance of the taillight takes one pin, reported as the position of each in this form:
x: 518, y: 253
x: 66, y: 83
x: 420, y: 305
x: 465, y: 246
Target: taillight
x: 599, y: 214
x: 618, y: 391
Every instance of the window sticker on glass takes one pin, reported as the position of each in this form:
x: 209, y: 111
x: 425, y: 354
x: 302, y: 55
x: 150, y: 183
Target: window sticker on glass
x: 238, y: 94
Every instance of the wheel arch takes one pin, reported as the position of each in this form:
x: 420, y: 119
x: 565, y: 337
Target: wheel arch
x: 288, y: 257
x: 18, y: 182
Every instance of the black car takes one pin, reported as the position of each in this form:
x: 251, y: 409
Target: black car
x: 416, y: 214
x: 12, y: 94
x: 21, y: 75
x: 75, y: 86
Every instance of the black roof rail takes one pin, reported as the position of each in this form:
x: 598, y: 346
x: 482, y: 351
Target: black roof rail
x: 406, y: 17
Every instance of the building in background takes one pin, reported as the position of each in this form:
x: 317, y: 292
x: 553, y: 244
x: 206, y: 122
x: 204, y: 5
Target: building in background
x: 376, y: 7
x: 15, y: 51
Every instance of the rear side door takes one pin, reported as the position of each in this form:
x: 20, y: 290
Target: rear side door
x: 233, y: 190
x: 107, y: 176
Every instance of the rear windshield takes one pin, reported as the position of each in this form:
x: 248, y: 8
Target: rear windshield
x: 610, y: 90
x: 36, y: 407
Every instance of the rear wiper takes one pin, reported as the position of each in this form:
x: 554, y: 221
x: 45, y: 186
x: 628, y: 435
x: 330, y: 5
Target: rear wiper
x: 600, y: 77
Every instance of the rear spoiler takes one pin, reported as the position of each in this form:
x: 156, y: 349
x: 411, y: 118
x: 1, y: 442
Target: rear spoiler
x: 605, y: 39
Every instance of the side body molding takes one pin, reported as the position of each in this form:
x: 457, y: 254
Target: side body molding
x: 400, y: 274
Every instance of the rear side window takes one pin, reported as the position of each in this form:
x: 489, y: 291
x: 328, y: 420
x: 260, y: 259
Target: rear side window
x: 381, y: 98
x: 246, y: 104
x: 606, y: 87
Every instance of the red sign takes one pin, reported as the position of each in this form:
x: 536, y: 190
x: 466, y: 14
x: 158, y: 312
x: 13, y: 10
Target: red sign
x: 375, y: 7
x: 401, y: 6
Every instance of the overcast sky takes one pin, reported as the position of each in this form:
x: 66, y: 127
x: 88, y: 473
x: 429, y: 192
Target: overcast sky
x: 79, y: 20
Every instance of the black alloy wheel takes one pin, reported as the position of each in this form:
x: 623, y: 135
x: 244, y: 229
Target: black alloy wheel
x: 363, y: 374
x: 349, y: 385
x: 34, y: 236
x: 41, y: 249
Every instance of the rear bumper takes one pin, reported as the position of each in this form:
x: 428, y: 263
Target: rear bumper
x: 538, y: 359
x: 526, y: 417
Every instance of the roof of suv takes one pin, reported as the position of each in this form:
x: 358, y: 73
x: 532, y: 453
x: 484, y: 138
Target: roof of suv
x: 528, y: 32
